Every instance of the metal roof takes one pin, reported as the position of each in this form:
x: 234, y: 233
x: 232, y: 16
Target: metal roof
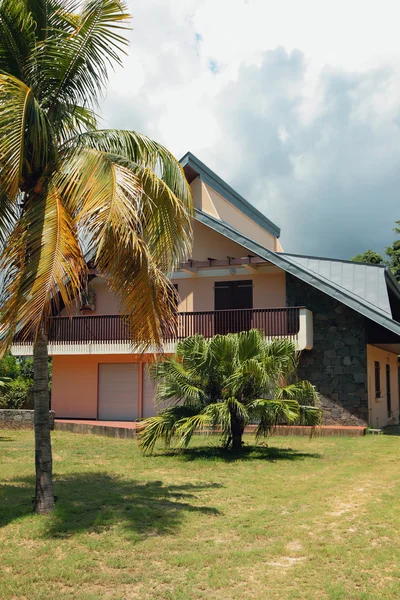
x: 360, y: 279
x: 197, y: 168
x: 327, y: 281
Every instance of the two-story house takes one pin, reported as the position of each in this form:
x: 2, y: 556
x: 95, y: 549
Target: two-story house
x: 342, y: 316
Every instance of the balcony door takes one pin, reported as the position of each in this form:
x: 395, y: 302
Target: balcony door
x: 231, y: 298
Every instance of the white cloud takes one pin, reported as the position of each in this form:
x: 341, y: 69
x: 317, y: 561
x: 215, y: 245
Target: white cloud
x: 297, y: 104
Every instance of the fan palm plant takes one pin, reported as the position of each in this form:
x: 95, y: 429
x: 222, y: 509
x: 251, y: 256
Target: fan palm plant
x: 69, y: 190
x: 227, y: 382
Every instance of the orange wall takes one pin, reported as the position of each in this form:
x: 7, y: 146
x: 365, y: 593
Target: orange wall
x: 227, y: 212
x: 378, y: 406
x: 210, y: 244
x: 197, y: 293
x: 214, y: 204
x: 75, y: 382
x: 106, y: 302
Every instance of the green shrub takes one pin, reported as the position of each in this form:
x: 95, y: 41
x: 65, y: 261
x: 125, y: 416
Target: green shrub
x: 9, y: 367
x: 26, y: 367
x: 17, y: 394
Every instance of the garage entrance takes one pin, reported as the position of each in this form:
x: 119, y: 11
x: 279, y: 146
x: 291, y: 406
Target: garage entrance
x: 118, y: 392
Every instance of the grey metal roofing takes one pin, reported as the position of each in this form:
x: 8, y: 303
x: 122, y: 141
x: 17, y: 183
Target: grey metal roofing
x: 326, y: 281
x: 360, y: 279
x: 221, y: 187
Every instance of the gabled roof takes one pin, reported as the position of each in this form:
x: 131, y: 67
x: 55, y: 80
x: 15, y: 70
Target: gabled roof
x: 193, y: 168
x: 351, y: 287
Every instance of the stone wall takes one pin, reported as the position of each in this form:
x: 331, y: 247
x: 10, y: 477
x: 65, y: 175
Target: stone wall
x: 337, y: 364
x: 19, y: 419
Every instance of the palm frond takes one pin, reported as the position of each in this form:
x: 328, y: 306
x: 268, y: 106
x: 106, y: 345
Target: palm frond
x: 250, y: 344
x: 222, y: 350
x: 27, y: 143
x: 270, y: 412
x: 310, y: 415
x: 15, y: 98
x: 70, y: 120
x: 225, y: 412
x: 163, y: 427
x: 281, y: 356
x: 175, y: 382
x: 141, y: 150
x: 250, y: 371
x: 17, y: 38
x: 107, y: 199
x: 165, y: 218
x: 43, y: 260
x: 187, y: 426
x: 13, y: 259
x: 193, y: 352
x: 9, y: 213
x: 73, y: 64
x: 301, y: 391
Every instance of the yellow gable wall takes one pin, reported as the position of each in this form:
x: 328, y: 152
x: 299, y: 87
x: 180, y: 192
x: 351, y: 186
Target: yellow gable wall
x: 212, y: 203
x: 378, y: 416
x: 210, y: 244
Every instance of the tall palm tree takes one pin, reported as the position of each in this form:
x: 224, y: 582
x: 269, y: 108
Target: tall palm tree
x: 227, y: 382
x: 68, y: 189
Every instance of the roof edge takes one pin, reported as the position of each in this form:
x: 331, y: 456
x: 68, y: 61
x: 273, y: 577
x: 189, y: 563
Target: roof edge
x: 221, y: 187
x: 392, y: 282
x: 342, y: 260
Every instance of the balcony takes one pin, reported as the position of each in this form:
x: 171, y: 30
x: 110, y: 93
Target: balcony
x: 109, y: 334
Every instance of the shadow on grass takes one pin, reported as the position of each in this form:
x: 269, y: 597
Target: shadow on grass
x: 271, y: 454
x: 391, y: 430
x: 97, y: 501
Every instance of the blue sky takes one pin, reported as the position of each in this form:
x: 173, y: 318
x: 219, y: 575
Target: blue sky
x: 295, y: 104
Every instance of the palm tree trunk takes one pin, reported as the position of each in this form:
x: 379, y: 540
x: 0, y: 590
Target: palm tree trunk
x: 44, y: 496
x: 237, y: 434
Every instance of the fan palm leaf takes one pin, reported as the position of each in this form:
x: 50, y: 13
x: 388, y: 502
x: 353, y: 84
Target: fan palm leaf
x: 230, y: 381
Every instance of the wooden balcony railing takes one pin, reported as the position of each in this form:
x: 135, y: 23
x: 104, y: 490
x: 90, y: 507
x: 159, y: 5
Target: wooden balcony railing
x: 108, y: 329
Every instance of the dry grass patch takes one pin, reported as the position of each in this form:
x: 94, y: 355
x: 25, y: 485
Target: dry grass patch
x: 299, y: 519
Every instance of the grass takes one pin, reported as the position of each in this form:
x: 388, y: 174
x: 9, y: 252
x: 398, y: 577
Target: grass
x: 298, y: 519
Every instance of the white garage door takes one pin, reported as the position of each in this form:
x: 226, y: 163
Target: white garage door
x: 118, y: 392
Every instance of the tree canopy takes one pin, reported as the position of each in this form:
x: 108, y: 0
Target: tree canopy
x: 226, y: 382
x: 392, y: 252
x: 370, y: 256
x: 68, y: 190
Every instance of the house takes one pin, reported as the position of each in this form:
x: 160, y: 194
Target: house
x: 343, y: 316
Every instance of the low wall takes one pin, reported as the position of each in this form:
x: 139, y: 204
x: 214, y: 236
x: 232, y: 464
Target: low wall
x: 19, y: 419
x: 131, y: 432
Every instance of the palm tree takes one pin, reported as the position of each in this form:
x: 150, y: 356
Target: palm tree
x: 69, y: 190
x: 227, y: 382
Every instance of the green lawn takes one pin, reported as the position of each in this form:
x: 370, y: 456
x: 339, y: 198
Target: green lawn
x: 301, y: 519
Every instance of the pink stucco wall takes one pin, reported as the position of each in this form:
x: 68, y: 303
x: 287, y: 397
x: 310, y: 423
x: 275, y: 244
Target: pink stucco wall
x: 378, y: 416
x: 211, y: 202
x: 210, y: 244
x: 197, y: 293
x: 75, y: 383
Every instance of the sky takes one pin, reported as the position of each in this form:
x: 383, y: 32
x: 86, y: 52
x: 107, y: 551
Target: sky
x: 294, y: 103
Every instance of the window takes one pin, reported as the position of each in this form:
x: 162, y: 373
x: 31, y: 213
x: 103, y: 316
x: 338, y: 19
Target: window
x: 377, y: 379
x: 388, y: 392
